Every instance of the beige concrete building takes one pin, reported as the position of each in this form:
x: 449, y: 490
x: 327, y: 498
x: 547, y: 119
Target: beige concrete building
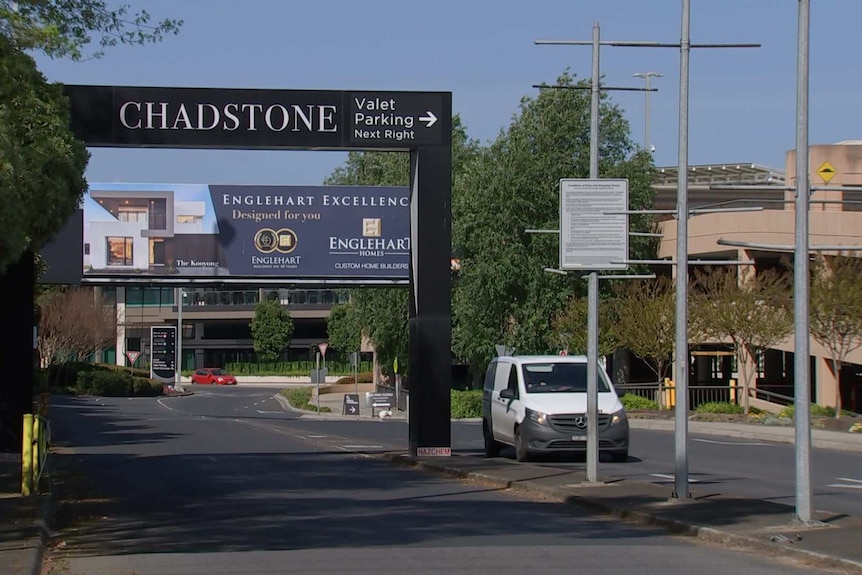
x: 835, y: 220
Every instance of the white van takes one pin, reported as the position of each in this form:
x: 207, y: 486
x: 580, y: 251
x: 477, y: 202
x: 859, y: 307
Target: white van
x: 538, y: 404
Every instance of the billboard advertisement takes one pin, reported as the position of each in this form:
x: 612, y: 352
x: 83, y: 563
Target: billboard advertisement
x: 207, y: 231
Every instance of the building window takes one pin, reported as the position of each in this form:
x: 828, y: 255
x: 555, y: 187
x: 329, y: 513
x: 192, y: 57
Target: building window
x: 132, y: 214
x: 86, y: 249
x: 149, y: 297
x: 187, y: 219
x: 120, y: 251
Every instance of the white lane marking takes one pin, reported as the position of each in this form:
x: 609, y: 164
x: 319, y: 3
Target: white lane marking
x: 315, y: 436
x: 671, y: 477
x: 854, y: 483
x: 268, y: 412
x: 733, y: 442
x: 165, y: 406
x: 363, y: 446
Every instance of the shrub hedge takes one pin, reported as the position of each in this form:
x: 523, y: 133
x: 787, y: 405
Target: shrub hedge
x: 719, y: 407
x: 367, y: 377
x: 300, y: 398
x: 116, y: 383
x: 816, y: 411
x: 466, y: 404
x: 632, y: 402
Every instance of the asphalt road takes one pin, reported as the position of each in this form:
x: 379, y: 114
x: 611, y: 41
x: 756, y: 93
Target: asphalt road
x: 226, y: 482
x: 746, y: 468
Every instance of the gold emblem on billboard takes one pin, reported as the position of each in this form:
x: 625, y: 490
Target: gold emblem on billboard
x: 265, y: 240
x: 372, y: 227
x: 283, y: 241
x: 287, y: 240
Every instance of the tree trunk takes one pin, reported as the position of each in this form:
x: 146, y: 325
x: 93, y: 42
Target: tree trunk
x: 836, y: 367
x: 743, y: 373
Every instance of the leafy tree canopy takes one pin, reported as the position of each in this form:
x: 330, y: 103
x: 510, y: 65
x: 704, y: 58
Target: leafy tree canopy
x: 836, y: 310
x: 65, y: 28
x: 343, y: 332
x: 502, y: 295
x: 271, y: 329
x: 41, y: 163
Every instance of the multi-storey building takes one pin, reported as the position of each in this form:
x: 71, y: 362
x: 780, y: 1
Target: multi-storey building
x: 215, y: 321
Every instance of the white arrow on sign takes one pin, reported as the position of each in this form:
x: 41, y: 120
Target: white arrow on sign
x: 430, y: 119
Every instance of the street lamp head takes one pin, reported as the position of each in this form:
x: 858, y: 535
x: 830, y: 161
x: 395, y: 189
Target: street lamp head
x: 648, y: 75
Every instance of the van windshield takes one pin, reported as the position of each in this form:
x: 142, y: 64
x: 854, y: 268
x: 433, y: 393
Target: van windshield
x: 559, y: 378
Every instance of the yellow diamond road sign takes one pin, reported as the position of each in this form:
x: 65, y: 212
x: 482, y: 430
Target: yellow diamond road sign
x: 826, y: 171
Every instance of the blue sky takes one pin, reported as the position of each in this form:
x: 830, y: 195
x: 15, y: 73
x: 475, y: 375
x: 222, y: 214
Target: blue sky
x: 742, y: 106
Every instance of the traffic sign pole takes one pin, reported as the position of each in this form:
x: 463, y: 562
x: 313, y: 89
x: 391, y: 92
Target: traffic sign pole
x: 593, y: 284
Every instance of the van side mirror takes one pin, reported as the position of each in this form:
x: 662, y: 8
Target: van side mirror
x: 508, y: 393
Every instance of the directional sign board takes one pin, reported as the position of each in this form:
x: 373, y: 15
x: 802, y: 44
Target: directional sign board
x: 163, y: 353
x: 142, y: 116
x: 382, y: 118
x: 594, y: 232
x: 351, y: 404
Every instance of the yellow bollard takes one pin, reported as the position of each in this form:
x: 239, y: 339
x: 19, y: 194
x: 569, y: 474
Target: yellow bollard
x: 732, y: 391
x: 27, y: 456
x: 37, y: 451
x: 670, y: 393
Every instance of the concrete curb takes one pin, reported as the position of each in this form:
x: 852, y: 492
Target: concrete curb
x: 43, y: 533
x: 640, y: 517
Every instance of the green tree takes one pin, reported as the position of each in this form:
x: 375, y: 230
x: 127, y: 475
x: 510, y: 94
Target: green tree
x: 64, y: 28
x: 753, y: 312
x: 646, y: 321
x: 343, y: 331
x: 271, y: 329
x: 41, y: 163
x: 502, y: 296
x: 569, y: 328
x: 836, y: 310
x: 381, y: 314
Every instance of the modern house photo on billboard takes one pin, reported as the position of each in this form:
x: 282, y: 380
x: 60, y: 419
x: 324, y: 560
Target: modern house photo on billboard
x: 158, y: 230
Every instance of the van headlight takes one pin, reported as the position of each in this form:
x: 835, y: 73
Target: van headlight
x: 538, y: 417
x: 618, y: 417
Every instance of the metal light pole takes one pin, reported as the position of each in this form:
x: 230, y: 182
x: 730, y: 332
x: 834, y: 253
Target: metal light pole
x: 593, y: 284
x: 681, y: 381
x: 178, y: 296
x: 801, y: 361
x: 647, y: 76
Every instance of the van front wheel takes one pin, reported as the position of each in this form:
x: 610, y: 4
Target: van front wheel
x: 521, y: 451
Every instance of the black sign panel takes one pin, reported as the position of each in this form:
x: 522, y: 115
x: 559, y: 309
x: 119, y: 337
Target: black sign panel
x: 351, y: 404
x: 386, y: 400
x: 163, y: 353
x: 132, y: 116
x: 393, y: 119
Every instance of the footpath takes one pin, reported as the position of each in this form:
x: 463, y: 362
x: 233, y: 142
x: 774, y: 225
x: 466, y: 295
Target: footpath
x: 833, y: 541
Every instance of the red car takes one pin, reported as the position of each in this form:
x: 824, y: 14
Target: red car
x: 213, y: 375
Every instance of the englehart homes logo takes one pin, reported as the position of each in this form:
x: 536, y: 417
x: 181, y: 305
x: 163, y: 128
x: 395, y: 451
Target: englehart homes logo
x: 269, y: 241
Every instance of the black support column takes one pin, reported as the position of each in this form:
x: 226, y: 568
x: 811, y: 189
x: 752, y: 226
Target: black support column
x: 430, y: 299
x: 16, y: 354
